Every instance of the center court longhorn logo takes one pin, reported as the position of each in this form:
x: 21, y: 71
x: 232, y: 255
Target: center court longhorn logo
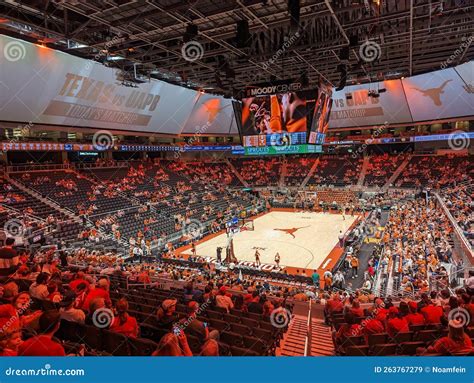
x: 434, y: 93
x: 292, y: 230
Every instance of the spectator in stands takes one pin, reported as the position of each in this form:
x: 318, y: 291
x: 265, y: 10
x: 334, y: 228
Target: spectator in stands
x: 210, y: 348
x: 166, y: 314
x: 354, y: 266
x: 348, y: 329
x: 193, y: 326
x: 43, y: 344
x: 469, y: 283
x: 8, y: 258
x: 95, y: 306
x: 333, y: 305
x: 68, y: 311
x: 10, y: 331
x: 10, y: 291
x: 123, y: 323
x: 396, y: 323
x: 39, y: 288
x: 338, y: 281
x: 355, y: 309
x: 101, y: 290
x: 223, y: 300
x: 78, y: 279
x: 414, y: 318
x: 256, y: 305
x: 432, y: 313
x: 53, y: 291
x: 268, y: 306
x: 173, y: 345
x: 315, y: 277
x: 457, y: 341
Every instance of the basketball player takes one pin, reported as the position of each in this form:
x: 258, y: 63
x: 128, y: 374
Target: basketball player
x: 257, y: 258
x: 193, y: 249
x: 219, y: 254
x: 277, y: 259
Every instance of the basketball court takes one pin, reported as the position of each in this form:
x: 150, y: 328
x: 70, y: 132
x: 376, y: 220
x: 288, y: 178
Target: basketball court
x: 302, y: 239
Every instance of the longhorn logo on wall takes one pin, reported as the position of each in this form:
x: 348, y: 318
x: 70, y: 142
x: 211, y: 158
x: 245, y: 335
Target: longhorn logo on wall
x: 434, y: 93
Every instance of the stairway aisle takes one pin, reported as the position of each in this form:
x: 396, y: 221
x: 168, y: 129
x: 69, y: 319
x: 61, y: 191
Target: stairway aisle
x: 236, y: 172
x: 310, y: 173
x: 363, y: 171
x: 396, y: 173
x: 321, y: 339
x: 293, y: 341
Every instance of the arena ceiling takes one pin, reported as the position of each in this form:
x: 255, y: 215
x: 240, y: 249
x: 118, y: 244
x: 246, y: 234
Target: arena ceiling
x: 402, y: 37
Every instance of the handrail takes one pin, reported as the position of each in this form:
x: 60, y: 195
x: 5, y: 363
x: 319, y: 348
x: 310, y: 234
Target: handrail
x: 309, y: 332
x: 15, y: 210
x: 458, y: 232
x: 36, y: 167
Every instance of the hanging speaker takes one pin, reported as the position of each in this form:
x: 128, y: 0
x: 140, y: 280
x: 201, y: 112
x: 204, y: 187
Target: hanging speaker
x: 191, y: 32
x: 294, y: 11
x: 243, y: 34
x: 343, y: 79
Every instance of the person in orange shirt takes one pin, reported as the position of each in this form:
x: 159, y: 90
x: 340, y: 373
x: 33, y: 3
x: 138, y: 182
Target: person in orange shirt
x: 354, y: 266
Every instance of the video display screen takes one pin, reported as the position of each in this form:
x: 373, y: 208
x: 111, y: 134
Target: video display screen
x: 275, y: 120
x: 322, y: 112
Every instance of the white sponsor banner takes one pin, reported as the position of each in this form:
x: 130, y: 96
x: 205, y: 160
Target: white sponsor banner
x: 437, y: 95
x: 46, y: 86
x: 353, y: 106
x: 211, y: 115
